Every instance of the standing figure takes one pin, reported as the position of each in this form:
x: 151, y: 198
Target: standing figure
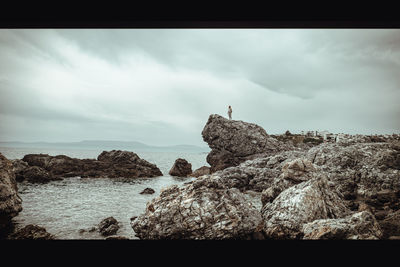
x: 230, y: 112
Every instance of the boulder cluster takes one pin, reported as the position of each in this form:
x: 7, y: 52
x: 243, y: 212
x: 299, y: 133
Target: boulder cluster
x: 344, y: 190
x: 42, y: 168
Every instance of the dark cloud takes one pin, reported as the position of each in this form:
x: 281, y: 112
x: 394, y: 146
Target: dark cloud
x: 160, y: 85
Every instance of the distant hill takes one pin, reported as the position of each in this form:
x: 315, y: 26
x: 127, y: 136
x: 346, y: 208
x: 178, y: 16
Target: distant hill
x: 107, y: 145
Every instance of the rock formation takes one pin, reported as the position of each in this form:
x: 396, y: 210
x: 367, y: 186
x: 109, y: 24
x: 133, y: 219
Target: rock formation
x: 360, y: 225
x: 204, y: 170
x: 148, y: 191
x: 10, y: 202
x: 300, y: 204
x: 32, y: 232
x: 203, y: 209
x: 111, y: 164
x: 181, y: 168
x: 108, y: 226
x: 233, y: 142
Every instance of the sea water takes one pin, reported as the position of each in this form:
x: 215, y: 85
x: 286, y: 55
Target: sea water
x: 67, y: 206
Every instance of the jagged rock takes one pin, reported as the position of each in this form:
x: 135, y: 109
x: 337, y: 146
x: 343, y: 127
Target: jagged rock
x: 204, y: 170
x: 10, y: 201
x: 301, y: 204
x: 233, y: 141
x: 32, y: 232
x: 390, y: 225
x: 203, y: 209
x: 111, y: 164
x: 181, y: 168
x: 108, y: 226
x: 360, y: 225
x: 148, y: 191
x: 293, y: 172
x: 361, y: 170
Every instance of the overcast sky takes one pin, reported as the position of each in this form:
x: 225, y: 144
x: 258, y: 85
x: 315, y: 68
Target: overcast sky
x: 158, y: 86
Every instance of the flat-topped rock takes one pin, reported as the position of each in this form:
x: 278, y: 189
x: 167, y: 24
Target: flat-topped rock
x: 111, y: 164
x: 233, y: 141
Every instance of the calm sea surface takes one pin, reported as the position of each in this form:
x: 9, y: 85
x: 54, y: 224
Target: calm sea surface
x: 64, y: 207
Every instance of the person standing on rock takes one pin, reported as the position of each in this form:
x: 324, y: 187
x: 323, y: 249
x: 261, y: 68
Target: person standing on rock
x: 230, y: 112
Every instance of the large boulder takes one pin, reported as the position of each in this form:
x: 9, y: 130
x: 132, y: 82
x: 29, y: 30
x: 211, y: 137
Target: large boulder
x: 111, y: 164
x: 181, y: 168
x: 31, y: 232
x: 360, y: 225
x: 108, y: 226
x: 10, y: 201
x: 234, y: 141
x: 314, y: 199
x: 202, y: 209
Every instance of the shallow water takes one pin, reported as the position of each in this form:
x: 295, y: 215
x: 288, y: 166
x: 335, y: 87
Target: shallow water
x: 64, y: 207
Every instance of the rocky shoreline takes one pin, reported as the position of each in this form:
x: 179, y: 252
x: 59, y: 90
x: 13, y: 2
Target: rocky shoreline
x: 306, y: 189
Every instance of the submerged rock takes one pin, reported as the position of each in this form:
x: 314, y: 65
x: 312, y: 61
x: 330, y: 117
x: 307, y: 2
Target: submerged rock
x: 10, y: 201
x: 32, y: 232
x: 181, y: 168
x: 203, y: 209
x: 148, y: 191
x: 111, y: 164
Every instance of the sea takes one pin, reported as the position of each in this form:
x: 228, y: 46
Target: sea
x: 70, y: 207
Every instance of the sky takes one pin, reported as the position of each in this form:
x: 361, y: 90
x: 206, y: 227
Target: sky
x: 159, y: 86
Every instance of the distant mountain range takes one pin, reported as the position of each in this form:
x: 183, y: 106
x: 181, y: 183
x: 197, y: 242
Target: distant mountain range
x: 107, y: 145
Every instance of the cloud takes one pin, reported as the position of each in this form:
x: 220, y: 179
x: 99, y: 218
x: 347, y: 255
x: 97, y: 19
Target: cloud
x: 159, y: 86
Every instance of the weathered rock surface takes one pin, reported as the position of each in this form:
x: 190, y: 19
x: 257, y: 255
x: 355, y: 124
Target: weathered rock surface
x: 108, y: 226
x: 111, y: 164
x: 300, y: 204
x: 204, y: 170
x: 233, y: 141
x: 360, y: 225
x: 18, y: 167
x: 181, y: 168
x: 390, y: 225
x: 203, y: 209
x: 32, y: 232
x: 10, y: 202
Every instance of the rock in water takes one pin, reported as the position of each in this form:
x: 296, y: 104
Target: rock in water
x: 361, y: 225
x: 148, y: 190
x: 108, y: 226
x: 300, y: 204
x: 181, y: 168
x: 111, y: 164
x: 10, y: 202
x: 32, y: 232
x: 203, y: 209
x: 232, y: 141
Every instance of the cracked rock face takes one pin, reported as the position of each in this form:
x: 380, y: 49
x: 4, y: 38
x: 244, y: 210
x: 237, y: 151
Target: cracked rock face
x: 232, y: 141
x: 360, y: 225
x: 203, y: 209
x: 10, y: 202
x: 285, y: 216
